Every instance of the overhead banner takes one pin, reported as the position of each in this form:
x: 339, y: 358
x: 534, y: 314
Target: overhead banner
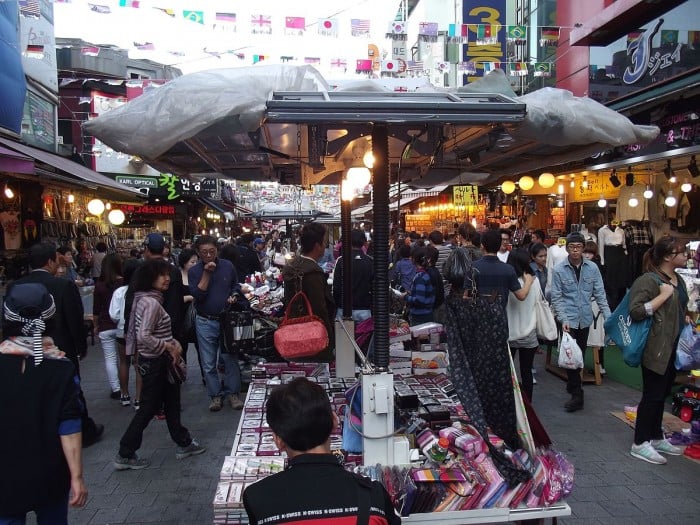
x: 467, y: 195
x: 484, y: 13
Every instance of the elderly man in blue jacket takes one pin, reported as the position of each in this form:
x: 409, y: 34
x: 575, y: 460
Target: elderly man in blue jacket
x: 574, y: 281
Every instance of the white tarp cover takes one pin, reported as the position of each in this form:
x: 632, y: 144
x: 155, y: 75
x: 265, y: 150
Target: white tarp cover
x: 151, y: 124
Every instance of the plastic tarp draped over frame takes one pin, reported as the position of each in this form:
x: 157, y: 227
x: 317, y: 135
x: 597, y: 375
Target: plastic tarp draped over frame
x: 151, y: 124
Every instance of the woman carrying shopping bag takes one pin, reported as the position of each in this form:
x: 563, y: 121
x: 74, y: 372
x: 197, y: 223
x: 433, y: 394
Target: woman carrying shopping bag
x: 660, y: 294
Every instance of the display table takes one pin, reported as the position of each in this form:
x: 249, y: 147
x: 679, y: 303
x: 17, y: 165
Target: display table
x: 252, y: 458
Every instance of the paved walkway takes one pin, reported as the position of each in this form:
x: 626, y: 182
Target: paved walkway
x: 611, y: 487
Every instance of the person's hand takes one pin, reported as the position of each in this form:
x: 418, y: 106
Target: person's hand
x: 528, y: 278
x: 565, y: 327
x: 210, y: 267
x: 78, y: 492
x: 665, y: 290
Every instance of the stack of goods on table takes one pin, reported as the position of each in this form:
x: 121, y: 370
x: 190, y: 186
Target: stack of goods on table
x: 417, y: 350
x: 450, y: 467
x: 265, y: 292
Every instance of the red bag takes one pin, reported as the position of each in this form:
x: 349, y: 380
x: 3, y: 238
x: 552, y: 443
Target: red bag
x: 303, y: 336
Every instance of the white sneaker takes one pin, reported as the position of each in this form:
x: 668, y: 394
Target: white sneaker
x: 534, y: 380
x: 602, y: 371
x: 663, y: 445
x: 646, y: 452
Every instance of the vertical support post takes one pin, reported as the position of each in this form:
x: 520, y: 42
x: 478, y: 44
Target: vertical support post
x: 344, y: 351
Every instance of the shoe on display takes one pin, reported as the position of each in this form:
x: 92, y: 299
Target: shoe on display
x: 125, y: 400
x: 646, y: 452
x: 134, y: 463
x: 235, y: 402
x: 692, y: 452
x: 192, y: 449
x: 215, y: 404
x: 663, y: 445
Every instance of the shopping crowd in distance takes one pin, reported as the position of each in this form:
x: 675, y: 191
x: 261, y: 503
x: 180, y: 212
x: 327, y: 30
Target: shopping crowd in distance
x: 150, y: 306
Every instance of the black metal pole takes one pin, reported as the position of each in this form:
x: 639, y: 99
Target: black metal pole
x: 346, y: 233
x: 380, y: 241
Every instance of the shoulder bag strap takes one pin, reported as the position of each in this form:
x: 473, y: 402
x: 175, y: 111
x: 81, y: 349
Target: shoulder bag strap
x: 298, y: 295
x: 364, y: 504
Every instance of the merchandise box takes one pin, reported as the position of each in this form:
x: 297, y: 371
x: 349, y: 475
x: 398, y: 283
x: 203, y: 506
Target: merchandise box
x: 435, y: 362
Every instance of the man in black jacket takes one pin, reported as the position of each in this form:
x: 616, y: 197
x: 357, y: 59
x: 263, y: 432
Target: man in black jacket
x: 248, y: 261
x: 362, y: 275
x: 67, y: 328
x: 315, y: 488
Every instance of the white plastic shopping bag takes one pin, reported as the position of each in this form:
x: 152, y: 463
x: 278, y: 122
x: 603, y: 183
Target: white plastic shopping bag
x: 570, y: 355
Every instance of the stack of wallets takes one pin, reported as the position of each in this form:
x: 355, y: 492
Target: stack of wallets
x: 466, y: 440
x: 288, y: 371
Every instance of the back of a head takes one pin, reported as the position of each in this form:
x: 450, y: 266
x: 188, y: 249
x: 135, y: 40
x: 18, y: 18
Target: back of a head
x: 230, y: 252
x: 357, y: 238
x: 27, y: 310
x: 40, y: 254
x: 436, y: 237
x: 431, y: 254
x: 419, y: 256
x: 184, y: 256
x: 491, y: 240
x: 300, y: 414
x: 312, y: 233
x: 404, y: 251
x: 520, y: 260
x: 466, y: 229
x: 101, y: 247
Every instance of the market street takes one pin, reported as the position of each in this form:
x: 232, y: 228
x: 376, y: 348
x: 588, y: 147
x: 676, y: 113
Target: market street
x: 610, y: 486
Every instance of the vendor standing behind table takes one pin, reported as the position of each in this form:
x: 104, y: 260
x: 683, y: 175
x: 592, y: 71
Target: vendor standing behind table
x: 314, y: 486
x: 302, y: 273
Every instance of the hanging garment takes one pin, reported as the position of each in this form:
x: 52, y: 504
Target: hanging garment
x: 480, y: 371
x: 609, y: 236
x: 616, y: 275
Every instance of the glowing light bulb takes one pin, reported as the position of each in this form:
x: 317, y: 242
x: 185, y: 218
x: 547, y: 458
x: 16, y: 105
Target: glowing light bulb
x: 686, y: 187
x: 670, y: 200
x: 633, y: 202
x: 602, y: 203
x: 648, y: 194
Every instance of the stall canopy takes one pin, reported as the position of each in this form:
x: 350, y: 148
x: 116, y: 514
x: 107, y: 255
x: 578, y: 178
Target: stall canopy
x: 75, y: 173
x: 283, y: 123
x: 13, y: 162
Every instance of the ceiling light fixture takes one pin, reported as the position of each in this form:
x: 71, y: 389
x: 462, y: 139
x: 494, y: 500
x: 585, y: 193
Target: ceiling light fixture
x: 526, y: 182
x: 693, y: 167
x: 648, y: 194
x: 633, y: 201
x: 508, y: 187
x: 670, y: 200
x: 629, y: 177
x: 614, y: 179
x: 584, y: 183
x: 8, y: 192
x: 668, y: 171
x: 602, y: 203
x: 546, y: 180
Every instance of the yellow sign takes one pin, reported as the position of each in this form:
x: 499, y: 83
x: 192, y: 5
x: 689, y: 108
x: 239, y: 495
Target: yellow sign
x: 465, y: 195
x: 597, y: 185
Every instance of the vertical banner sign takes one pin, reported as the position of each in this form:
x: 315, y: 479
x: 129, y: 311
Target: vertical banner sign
x: 465, y: 196
x: 481, y: 12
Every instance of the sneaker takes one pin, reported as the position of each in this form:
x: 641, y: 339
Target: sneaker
x: 137, y: 404
x: 125, y: 400
x: 235, y: 402
x: 646, y: 452
x: 534, y: 380
x: 602, y: 371
x: 215, y: 404
x: 134, y: 463
x: 663, y: 445
x: 192, y: 449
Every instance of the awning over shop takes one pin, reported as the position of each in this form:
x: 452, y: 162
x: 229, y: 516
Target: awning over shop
x: 13, y: 162
x: 85, y: 176
x: 361, y: 210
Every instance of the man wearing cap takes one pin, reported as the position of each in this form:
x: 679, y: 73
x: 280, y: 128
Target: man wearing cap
x: 41, y: 413
x: 574, y: 281
x: 261, y: 249
x: 67, y: 328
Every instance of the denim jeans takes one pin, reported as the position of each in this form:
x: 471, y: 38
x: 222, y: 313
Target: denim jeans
x: 52, y: 514
x: 108, y: 340
x: 210, y: 344
x: 156, y: 391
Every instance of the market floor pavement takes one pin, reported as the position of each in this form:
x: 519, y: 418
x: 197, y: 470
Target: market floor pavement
x: 611, y: 486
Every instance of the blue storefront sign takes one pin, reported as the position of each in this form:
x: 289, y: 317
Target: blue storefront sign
x: 13, y: 86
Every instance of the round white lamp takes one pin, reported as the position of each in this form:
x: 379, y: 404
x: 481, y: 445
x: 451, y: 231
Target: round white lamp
x: 508, y: 187
x: 96, y: 207
x: 546, y: 180
x: 526, y: 182
x: 116, y: 217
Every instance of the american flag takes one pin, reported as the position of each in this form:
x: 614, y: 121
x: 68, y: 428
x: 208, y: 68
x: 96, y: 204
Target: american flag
x: 359, y: 27
x: 413, y: 65
x: 29, y: 8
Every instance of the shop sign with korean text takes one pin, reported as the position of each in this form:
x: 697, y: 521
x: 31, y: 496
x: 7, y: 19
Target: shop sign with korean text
x: 598, y: 185
x: 467, y: 195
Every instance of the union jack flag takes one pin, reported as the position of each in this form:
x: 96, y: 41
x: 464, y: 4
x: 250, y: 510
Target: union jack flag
x: 261, y: 24
x: 339, y: 63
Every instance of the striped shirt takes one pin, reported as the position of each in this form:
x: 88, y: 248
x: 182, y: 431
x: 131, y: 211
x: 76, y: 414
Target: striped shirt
x: 151, y: 325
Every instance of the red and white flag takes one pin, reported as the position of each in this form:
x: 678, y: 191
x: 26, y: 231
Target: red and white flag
x: 90, y: 51
x: 294, y: 25
x: 328, y: 27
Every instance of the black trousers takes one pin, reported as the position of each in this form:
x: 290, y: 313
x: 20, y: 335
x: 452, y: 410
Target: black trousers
x: 156, y: 391
x: 527, y: 357
x: 573, y: 381
x: 87, y: 424
x: 650, y: 412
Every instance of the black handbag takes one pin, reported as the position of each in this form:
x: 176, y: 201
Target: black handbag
x: 237, y: 330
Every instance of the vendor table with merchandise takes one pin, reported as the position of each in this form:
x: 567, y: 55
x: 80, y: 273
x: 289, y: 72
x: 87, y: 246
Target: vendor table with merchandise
x: 254, y: 455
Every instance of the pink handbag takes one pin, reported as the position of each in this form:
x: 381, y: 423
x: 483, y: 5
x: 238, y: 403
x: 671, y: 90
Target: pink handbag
x: 303, y: 336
